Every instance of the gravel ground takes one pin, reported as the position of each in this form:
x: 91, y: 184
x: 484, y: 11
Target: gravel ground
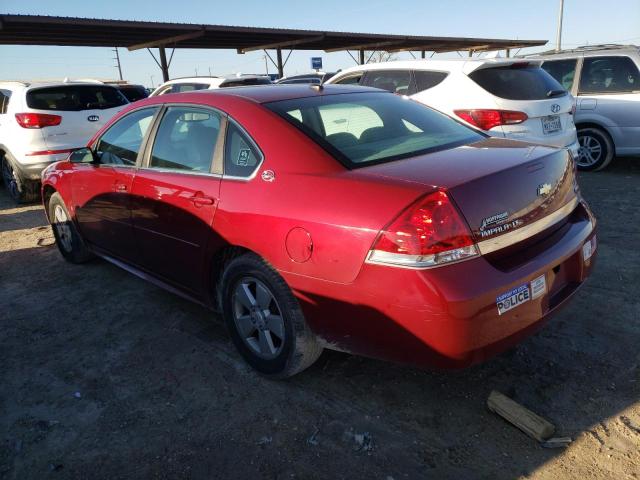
x: 105, y: 376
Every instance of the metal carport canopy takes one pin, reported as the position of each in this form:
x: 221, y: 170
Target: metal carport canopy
x: 134, y: 35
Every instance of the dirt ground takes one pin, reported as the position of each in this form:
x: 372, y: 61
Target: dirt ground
x: 105, y: 376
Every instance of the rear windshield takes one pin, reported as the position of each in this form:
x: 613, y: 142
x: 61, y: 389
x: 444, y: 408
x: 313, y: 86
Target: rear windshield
x: 518, y: 82
x: 361, y: 129
x: 73, y: 98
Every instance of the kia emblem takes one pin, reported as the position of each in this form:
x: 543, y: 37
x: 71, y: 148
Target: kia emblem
x: 555, y: 108
x: 93, y: 118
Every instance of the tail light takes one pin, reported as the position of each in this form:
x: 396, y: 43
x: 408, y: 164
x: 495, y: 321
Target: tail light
x: 487, y: 119
x: 37, y: 120
x: 429, y: 233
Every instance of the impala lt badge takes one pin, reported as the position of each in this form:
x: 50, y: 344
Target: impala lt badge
x: 93, y: 118
x: 555, y: 108
x: 544, y: 190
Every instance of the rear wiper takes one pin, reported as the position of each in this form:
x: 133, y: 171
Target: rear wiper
x: 555, y: 93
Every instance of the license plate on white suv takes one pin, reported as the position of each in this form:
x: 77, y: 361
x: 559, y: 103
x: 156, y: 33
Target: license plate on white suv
x: 551, y: 124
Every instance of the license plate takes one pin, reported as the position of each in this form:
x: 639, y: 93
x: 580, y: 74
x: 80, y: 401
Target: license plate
x: 551, y: 124
x: 513, y: 298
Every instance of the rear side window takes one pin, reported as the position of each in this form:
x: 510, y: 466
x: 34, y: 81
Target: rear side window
x: 121, y: 143
x: 187, y: 87
x: 248, y: 81
x: 426, y: 80
x: 134, y: 94
x: 394, y: 81
x: 350, y: 80
x: 609, y: 75
x: 241, y: 157
x: 563, y: 71
x: 4, y: 101
x: 186, y: 139
x: 518, y: 82
x: 75, y: 98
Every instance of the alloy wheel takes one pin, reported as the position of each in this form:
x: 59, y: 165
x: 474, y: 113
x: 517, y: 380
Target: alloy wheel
x: 258, y: 318
x: 63, y: 229
x: 590, y: 151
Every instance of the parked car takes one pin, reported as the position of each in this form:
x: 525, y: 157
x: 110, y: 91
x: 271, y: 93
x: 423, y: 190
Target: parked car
x: 41, y: 123
x: 188, y: 84
x: 502, y: 97
x: 315, y: 78
x: 605, y: 80
x: 337, y: 217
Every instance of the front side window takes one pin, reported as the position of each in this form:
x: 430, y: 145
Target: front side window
x: 75, y: 98
x: 241, y: 157
x: 186, y: 139
x: 609, y: 75
x: 361, y: 129
x: 121, y: 143
x: 563, y: 71
x: 394, y: 81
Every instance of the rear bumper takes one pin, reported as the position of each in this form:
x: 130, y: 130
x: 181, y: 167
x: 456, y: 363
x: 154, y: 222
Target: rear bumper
x: 30, y: 167
x: 447, y: 317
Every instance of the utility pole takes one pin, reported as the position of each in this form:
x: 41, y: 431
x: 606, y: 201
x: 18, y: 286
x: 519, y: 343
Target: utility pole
x: 117, y: 59
x: 559, y: 36
x: 210, y: 72
x: 266, y: 65
x: 152, y: 84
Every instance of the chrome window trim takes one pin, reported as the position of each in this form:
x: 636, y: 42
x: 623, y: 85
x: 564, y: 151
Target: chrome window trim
x: 507, y: 239
x: 180, y: 172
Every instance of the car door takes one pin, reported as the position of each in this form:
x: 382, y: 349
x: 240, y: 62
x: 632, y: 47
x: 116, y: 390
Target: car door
x: 175, y: 194
x: 101, y: 189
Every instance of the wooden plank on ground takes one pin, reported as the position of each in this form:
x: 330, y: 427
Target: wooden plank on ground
x: 523, y: 418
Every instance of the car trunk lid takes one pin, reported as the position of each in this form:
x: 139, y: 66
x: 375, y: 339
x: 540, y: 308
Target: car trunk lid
x: 498, y: 185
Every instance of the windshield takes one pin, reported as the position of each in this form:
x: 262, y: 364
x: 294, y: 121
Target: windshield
x: 361, y: 129
x: 70, y: 98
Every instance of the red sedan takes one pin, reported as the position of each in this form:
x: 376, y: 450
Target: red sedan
x: 330, y: 217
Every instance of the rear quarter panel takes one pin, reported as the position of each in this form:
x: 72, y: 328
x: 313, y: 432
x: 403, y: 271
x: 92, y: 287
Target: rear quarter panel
x: 341, y: 210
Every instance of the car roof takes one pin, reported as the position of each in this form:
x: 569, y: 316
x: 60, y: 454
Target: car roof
x: 464, y: 65
x: 274, y: 93
x: 43, y: 83
x: 587, y: 51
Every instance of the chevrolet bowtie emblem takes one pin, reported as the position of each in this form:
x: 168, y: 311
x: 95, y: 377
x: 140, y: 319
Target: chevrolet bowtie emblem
x: 544, y: 189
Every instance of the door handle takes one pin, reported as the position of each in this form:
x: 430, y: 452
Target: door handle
x: 200, y: 200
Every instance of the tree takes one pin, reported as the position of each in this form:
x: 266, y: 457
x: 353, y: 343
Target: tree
x: 380, y: 56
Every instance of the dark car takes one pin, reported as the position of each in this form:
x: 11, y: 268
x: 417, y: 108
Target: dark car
x: 314, y: 78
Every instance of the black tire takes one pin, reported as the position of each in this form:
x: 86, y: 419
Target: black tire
x: 68, y: 239
x: 18, y: 189
x: 596, y: 149
x: 298, y: 349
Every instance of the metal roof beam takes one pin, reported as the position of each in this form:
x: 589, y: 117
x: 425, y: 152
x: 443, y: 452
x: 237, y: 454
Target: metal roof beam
x: 282, y: 44
x: 365, y: 46
x: 167, y: 41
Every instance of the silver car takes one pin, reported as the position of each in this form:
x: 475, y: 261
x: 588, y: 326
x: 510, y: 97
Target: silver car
x: 605, y: 80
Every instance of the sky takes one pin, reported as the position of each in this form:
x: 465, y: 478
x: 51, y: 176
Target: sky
x: 585, y: 22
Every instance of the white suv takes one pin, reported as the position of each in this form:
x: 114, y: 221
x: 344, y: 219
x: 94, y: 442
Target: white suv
x: 188, y: 84
x: 40, y: 123
x: 511, y: 98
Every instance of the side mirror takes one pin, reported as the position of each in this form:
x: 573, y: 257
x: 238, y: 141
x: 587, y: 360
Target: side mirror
x: 83, y: 155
